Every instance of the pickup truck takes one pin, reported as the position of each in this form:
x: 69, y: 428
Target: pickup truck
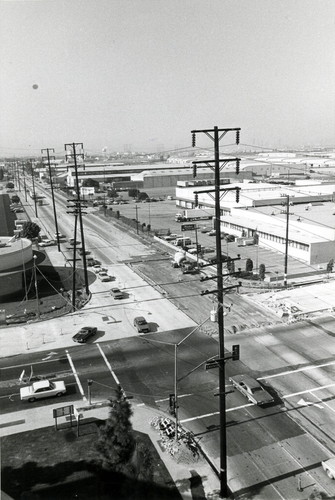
x: 329, y: 467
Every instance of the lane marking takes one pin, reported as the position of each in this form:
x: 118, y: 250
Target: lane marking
x: 199, y: 416
x: 289, y: 372
x: 323, y: 402
x: 308, y: 391
x: 80, y: 387
x: 167, y: 399
x: 32, y: 363
x: 109, y: 366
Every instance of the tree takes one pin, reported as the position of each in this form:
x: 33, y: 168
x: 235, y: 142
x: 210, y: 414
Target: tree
x: 15, y: 199
x: 133, y: 192
x: 10, y: 185
x: 142, y: 196
x: 112, y: 193
x: 249, y: 265
x: 116, y: 443
x: 30, y: 230
x: 330, y: 266
x: 90, y: 183
x: 261, y: 272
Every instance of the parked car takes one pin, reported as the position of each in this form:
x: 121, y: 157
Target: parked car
x: 60, y: 235
x: 105, y: 277
x: 47, y: 243
x: 84, y: 334
x: 42, y: 389
x: 116, y: 293
x: 251, y: 389
x: 204, y: 230
x: 212, y: 232
x: 230, y: 237
x: 141, y: 324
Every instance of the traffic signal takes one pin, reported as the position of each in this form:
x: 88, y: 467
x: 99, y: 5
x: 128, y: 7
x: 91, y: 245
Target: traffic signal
x: 237, y: 137
x: 236, y: 353
x: 237, y: 195
x: 195, y: 199
x: 172, y: 404
x: 193, y: 140
x: 198, y: 248
x: 194, y: 170
x: 237, y: 166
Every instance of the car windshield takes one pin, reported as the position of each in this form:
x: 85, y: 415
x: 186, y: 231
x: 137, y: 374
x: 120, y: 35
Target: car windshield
x: 256, y: 389
x: 141, y: 321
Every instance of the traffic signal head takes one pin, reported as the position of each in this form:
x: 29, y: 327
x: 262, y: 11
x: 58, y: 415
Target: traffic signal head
x: 236, y: 353
x: 193, y: 139
x: 237, y: 195
x: 195, y: 199
x: 237, y: 137
x: 237, y: 166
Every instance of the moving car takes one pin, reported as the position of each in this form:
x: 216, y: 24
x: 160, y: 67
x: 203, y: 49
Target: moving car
x: 42, y: 389
x: 251, y: 389
x: 329, y: 467
x: 84, y: 334
x: 141, y: 324
x: 116, y: 293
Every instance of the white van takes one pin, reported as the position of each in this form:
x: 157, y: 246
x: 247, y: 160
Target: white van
x: 182, y: 242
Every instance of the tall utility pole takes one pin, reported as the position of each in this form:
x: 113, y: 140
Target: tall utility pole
x: 24, y: 180
x: 70, y: 152
x: 216, y: 135
x: 34, y: 192
x: 286, y: 239
x: 48, y: 158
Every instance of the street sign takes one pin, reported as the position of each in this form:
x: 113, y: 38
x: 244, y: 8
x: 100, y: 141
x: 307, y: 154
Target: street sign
x: 188, y: 227
x: 212, y: 364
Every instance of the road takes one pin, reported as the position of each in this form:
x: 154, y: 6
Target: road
x: 267, y: 449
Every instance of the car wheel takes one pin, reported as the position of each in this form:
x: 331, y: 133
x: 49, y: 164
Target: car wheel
x: 31, y: 400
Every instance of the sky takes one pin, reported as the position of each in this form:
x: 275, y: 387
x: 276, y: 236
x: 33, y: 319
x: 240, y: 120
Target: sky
x: 141, y: 74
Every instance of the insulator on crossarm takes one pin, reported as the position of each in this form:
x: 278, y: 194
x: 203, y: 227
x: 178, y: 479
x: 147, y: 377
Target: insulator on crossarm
x: 194, y: 170
x: 237, y: 137
x: 193, y: 139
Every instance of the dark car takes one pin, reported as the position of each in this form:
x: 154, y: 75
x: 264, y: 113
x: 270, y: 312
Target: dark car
x: 141, y: 324
x: 84, y: 334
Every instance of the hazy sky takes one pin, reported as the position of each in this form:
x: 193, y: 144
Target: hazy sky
x: 145, y: 73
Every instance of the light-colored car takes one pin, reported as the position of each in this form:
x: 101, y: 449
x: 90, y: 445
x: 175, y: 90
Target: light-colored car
x: 47, y: 243
x: 60, y: 235
x: 116, y: 293
x: 141, y: 324
x: 251, y: 389
x: 42, y: 389
x: 212, y: 232
x: 329, y: 467
x: 102, y: 270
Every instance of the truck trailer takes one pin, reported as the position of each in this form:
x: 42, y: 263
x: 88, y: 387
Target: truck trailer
x: 195, y: 214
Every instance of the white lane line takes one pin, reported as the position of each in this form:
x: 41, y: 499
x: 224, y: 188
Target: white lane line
x: 167, y: 399
x: 216, y: 413
x: 289, y: 372
x: 108, y: 364
x: 80, y: 387
x: 308, y: 391
x: 199, y: 416
x: 324, y: 403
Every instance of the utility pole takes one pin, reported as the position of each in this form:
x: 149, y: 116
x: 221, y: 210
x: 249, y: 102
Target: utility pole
x: 48, y: 159
x: 70, y: 152
x: 34, y: 192
x: 216, y: 135
x: 24, y: 180
x: 286, y: 238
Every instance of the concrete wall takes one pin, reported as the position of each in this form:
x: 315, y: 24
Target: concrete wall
x: 322, y: 252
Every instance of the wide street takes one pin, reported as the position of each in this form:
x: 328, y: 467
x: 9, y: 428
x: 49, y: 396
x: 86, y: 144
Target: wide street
x: 268, y: 448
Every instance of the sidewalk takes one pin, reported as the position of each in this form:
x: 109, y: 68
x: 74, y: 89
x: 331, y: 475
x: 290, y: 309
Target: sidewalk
x: 181, y: 473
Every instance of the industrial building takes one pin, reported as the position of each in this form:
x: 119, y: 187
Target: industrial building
x: 262, y: 210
